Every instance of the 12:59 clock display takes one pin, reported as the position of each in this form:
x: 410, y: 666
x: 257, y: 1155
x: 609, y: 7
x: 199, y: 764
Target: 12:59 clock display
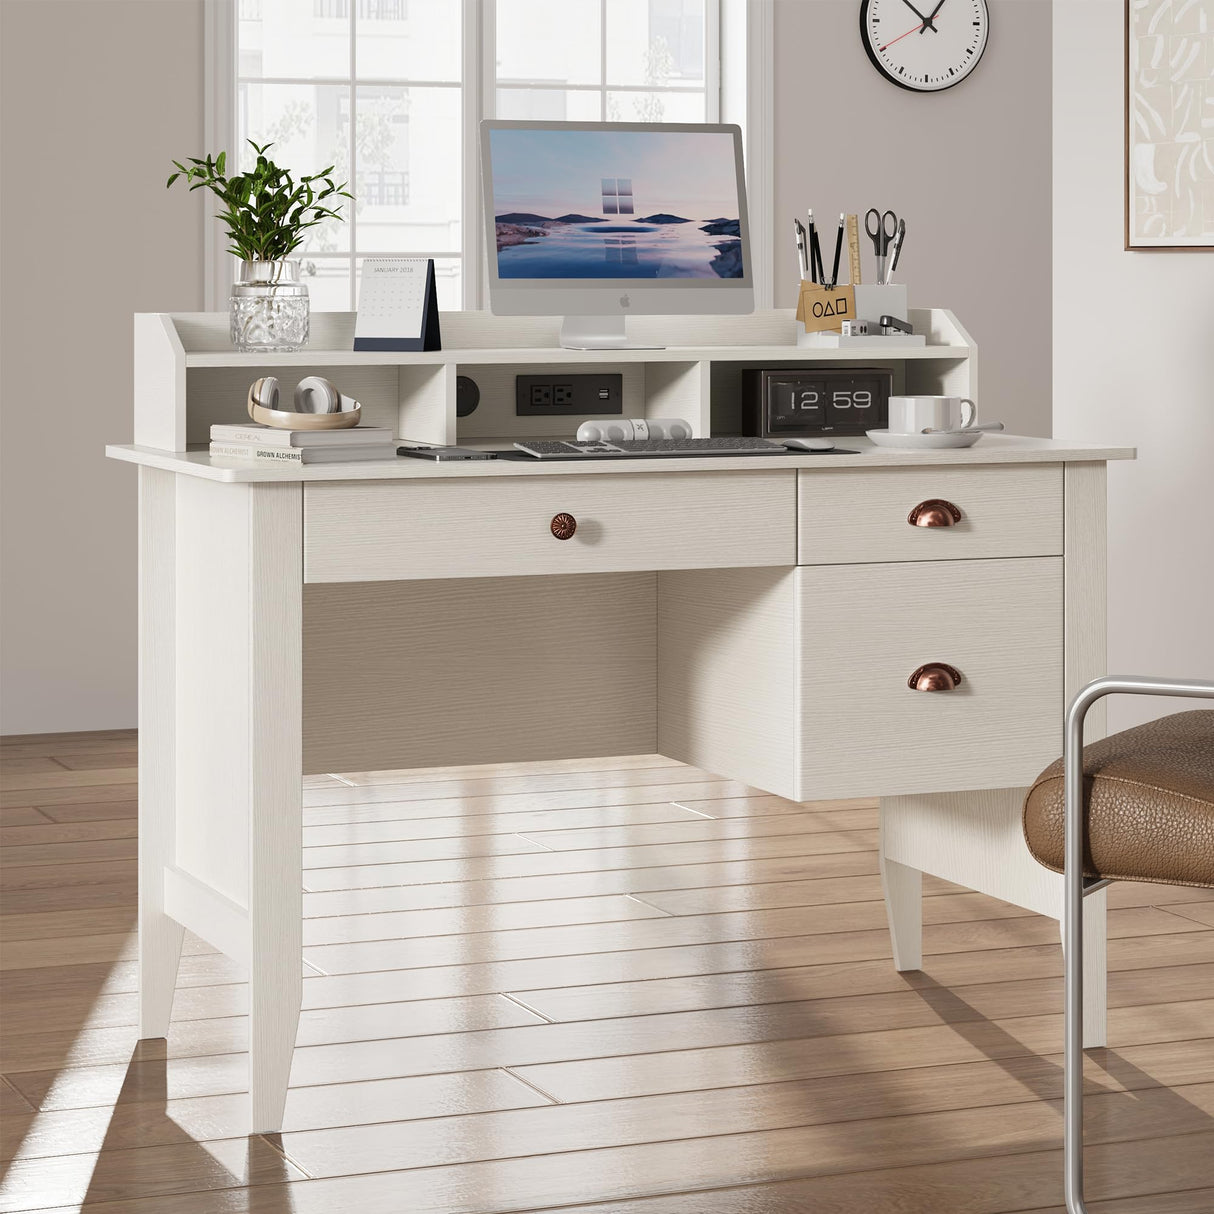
x: 925, y: 46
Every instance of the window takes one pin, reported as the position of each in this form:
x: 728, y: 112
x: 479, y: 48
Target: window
x: 389, y: 92
x: 607, y: 60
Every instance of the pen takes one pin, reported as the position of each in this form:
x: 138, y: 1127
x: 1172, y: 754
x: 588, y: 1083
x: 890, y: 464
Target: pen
x: 834, y: 274
x: 893, y: 265
x: 802, y: 249
x: 817, y: 274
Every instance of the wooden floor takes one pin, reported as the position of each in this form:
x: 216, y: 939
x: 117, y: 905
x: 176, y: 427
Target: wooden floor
x: 620, y: 986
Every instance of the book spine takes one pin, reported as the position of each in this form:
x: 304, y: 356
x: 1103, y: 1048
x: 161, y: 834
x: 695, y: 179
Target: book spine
x: 260, y: 438
x: 272, y: 455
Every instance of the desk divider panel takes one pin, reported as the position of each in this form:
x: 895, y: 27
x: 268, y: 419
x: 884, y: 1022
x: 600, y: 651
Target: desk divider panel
x: 478, y: 670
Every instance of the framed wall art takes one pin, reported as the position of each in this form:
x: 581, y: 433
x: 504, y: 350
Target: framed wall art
x: 1169, y: 109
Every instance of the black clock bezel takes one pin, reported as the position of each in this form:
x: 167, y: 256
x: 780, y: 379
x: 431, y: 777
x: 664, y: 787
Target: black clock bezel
x: 902, y: 84
x: 757, y: 405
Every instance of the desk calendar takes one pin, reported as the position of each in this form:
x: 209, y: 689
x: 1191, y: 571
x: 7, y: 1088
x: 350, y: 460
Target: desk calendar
x: 397, y: 305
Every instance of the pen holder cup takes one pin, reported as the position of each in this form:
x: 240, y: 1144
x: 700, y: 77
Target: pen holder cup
x: 874, y: 302
x: 870, y: 304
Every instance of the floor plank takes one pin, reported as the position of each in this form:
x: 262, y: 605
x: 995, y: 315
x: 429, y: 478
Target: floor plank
x: 697, y: 971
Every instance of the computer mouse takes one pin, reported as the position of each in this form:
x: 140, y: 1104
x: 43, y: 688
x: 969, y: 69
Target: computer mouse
x: 808, y: 444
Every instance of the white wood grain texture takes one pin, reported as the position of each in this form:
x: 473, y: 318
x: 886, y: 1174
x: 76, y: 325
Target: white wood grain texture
x: 903, y: 891
x: 159, y: 935
x: 355, y: 532
x: 426, y: 404
x: 212, y: 693
x: 208, y: 914
x: 1085, y: 548
x: 274, y: 688
x: 865, y: 628
x: 160, y: 383
x: 855, y: 515
x: 1085, y: 628
x: 219, y: 395
x: 680, y: 390
x: 409, y: 674
x: 495, y: 415
x: 729, y: 652
x: 993, y: 449
x: 976, y: 839
x: 482, y: 337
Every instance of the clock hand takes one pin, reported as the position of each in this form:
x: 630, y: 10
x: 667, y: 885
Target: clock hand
x: 926, y: 21
x: 930, y: 20
x: 918, y: 29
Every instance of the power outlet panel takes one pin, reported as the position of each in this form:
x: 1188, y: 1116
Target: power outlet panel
x: 558, y: 395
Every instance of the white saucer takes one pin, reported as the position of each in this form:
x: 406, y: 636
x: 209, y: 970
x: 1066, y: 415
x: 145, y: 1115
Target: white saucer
x: 925, y: 442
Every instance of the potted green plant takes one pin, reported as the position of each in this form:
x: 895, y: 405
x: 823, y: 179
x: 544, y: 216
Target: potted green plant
x: 266, y: 212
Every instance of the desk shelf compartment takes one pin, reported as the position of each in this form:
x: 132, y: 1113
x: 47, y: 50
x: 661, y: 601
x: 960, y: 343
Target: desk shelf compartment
x: 188, y: 377
x: 832, y: 715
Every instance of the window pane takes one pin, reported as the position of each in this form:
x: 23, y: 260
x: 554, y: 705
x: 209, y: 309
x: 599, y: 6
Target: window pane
x: 328, y: 283
x: 448, y: 279
x: 550, y: 105
x: 658, y: 42
x: 549, y: 41
x: 308, y: 126
x: 409, y: 172
x: 409, y: 39
x: 680, y: 106
x: 296, y: 38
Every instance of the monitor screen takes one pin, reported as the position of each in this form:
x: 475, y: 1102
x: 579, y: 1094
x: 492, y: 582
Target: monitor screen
x: 587, y: 202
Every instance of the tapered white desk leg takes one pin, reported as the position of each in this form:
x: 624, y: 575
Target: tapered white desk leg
x: 1095, y: 969
x: 159, y: 936
x: 903, y: 887
x: 275, y: 797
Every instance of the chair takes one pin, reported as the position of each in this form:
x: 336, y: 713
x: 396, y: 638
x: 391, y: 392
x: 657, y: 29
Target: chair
x: 1146, y: 799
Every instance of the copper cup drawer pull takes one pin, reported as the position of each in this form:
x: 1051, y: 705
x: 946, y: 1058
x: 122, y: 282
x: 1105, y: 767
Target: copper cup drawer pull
x: 935, y: 512
x: 934, y: 676
x: 563, y: 526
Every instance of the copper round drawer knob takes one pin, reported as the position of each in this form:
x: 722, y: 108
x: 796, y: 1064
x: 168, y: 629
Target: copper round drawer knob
x: 934, y: 676
x: 935, y: 512
x: 563, y: 526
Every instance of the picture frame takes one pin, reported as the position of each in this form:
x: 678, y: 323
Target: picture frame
x: 1169, y: 155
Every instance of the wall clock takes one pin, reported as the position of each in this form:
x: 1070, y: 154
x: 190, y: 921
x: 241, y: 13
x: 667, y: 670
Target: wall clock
x: 926, y: 46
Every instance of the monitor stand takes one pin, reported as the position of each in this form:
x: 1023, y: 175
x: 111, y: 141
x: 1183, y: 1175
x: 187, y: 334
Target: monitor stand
x: 598, y: 333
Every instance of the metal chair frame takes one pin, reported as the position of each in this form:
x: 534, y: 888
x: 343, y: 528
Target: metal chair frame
x: 1075, y: 888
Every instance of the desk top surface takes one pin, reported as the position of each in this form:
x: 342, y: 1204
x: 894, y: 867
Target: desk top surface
x: 990, y: 449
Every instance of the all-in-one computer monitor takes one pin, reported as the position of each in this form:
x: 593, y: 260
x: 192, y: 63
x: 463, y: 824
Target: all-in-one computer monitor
x: 594, y: 220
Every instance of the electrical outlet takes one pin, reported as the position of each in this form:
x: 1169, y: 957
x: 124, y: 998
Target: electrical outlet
x: 565, y: 395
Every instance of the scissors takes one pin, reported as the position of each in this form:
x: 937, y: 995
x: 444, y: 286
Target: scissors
x: 881, y: 230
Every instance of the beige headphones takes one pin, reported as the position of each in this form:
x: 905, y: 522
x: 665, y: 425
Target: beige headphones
x: 318, y: 406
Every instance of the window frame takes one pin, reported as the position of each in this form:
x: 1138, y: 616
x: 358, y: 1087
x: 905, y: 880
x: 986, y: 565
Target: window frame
x: 738, y: 84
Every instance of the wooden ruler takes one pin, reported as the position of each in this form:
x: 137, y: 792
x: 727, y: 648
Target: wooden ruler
x: 853, y: 247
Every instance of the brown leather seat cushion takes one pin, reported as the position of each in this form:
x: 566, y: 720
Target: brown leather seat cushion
x: 1149, y: 794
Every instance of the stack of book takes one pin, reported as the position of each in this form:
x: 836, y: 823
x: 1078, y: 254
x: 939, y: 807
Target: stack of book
x: 266, y: 444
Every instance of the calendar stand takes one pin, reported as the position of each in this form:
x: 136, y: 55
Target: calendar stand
x: 398, y: 305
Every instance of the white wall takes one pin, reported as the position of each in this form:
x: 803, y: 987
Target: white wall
x: 96, y: 97
x: 968, y: 169
x: 1133, y: 364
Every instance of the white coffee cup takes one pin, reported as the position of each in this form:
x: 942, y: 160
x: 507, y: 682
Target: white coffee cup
x: 912, y: 414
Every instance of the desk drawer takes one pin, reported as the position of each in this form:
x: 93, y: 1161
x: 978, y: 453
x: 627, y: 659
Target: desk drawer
x: 854, y: 515
x: 504, y: 526
x: 865, y: 628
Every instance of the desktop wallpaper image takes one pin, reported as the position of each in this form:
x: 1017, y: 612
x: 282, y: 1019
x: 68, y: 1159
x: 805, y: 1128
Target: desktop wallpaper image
x: 615, y: 204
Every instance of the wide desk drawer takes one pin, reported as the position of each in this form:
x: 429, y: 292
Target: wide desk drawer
x: 852, y: 515
x: 506, y: 526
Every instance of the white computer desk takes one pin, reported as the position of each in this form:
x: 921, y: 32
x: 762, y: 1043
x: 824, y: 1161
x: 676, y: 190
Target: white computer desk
x: 758, y: 618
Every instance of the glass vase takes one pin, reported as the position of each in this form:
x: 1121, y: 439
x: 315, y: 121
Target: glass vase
x: 268, y: 308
